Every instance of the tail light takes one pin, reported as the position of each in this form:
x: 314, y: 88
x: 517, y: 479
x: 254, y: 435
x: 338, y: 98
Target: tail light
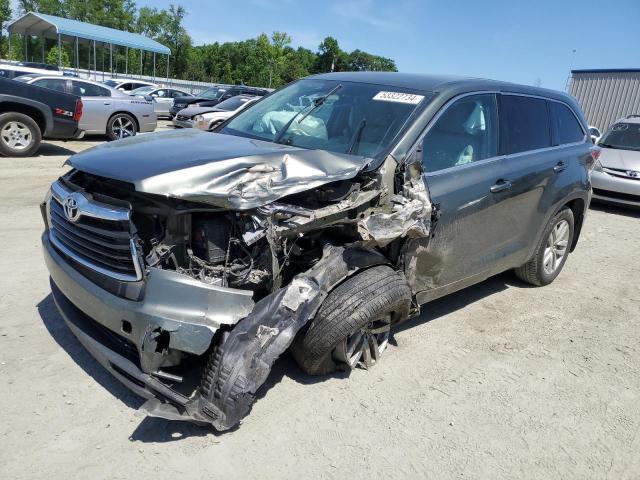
x: 77, y: 114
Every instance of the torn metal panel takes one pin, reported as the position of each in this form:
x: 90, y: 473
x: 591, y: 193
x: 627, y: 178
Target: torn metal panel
x: 251, y: 348
x: 409, y: 217
x: 221, y: 170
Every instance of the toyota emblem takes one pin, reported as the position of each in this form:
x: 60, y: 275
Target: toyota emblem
x: 71, y: 210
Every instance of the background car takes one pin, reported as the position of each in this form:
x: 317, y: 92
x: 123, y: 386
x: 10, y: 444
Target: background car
x: 125, y: 85
x: 11, y: 71
x: 106, y: 110
x: 616, y: 176
x: 213, y: 96
x: 224, y: 110
x: 594, y: 133
x: 162, y: 98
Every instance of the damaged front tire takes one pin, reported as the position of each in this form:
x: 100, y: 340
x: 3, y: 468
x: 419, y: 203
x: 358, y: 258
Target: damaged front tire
x: 352, y: 326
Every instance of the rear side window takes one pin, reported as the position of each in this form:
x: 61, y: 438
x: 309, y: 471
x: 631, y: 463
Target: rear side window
x: 524, y: 124
x: 465, y: 132
x: 566, y: 127
x: 88, y: 89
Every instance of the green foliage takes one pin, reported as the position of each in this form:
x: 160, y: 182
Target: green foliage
x: 261, y: 61
x: 52, y: 57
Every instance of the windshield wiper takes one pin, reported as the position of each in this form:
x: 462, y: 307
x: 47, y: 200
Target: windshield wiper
x: 355, y: 138
x: 316, y: 104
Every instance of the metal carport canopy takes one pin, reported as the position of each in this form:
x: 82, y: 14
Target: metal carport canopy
x: 39, y: 24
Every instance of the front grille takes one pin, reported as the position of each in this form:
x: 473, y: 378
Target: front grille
x: 180, y: 105
x: 619, y: 172
x: 183, y: 118
x: 98, y: 237
x: 616, y: 195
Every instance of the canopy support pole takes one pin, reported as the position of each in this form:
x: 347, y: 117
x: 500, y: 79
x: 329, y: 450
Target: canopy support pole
x: 111, y: 59
x: 59, y: 51
x: 95, y: 62
x: 42, y: 41
x: 9, y: 35
x: 126, y: 63
x: 25, y: 37
x: 167, y: 68
x: 154, y: 66
x: 141, y: 62
x: 77, y: 56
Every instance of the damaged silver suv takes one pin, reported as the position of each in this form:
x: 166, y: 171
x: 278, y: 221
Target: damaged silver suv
x: 187, y: 262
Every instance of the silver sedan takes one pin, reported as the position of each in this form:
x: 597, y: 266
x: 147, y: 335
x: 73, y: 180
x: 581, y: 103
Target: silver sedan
x: 162, y: 97
x: 616, y: 176
x: 105, y: 109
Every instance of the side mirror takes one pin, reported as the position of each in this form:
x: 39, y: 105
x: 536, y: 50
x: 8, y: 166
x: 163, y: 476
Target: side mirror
x: 154, y: 95
x: 413, y: 161
x: 148, y: 98
x: 121, y: 89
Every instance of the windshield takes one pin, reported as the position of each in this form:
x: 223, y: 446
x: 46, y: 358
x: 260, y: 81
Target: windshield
x: 344, y: 117
x: 625, y: 136
x: 111, y: 83
x: 212, y: 93
x: 142, y: 90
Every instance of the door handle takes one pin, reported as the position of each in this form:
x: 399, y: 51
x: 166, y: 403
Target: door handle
x: 500, y: 186
x: 559, y: 167
x: 107, y: 103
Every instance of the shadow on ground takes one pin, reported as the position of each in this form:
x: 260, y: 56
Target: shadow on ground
x: 633, y: 212
x: 153, y: 430
x: 51, y: 150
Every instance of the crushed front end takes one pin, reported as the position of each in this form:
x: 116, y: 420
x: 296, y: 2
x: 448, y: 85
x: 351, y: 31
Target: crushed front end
x: 152, y: 285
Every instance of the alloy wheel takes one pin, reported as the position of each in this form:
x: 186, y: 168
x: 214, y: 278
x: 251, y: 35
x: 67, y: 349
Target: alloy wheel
x: 123, y: 127
x: 16, y: 135
x: 364, y: 347
x: 556, y: 247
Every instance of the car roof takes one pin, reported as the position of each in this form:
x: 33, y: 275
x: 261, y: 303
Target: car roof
x: 58, y: 77
x: 440, y: 83
x: 629, y: 119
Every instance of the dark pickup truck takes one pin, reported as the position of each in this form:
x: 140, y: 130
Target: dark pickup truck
x: 29, y: 113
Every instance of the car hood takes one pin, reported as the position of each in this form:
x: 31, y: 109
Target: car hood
x: 190, y: 100
x: 193, y: 111
x: 221, y: 170
x: 620, y: 159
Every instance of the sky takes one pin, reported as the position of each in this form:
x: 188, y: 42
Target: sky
x: 522, y: 41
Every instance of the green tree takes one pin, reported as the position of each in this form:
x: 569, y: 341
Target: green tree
x: 5, y: 15
x: 52, y: 57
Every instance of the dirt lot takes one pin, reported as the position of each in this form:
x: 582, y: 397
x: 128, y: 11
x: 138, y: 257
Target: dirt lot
x: 496, y: 381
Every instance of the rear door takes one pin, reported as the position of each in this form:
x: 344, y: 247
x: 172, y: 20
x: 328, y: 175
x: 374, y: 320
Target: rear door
x: 529, y: 161
x: 97, y: 106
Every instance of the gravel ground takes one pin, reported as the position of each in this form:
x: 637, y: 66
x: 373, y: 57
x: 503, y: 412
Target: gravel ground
x: 496, y: 381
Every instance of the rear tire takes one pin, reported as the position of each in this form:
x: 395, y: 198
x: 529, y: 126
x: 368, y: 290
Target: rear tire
x: 20, y: 135
x: 552, y: 252
x: 121, y: 125
x: 351, y: 327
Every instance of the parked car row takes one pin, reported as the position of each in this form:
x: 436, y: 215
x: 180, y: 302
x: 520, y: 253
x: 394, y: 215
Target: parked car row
x: 207, y: 118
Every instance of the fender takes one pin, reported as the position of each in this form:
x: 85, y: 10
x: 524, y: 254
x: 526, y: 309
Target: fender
x: 44, y: 109
x: 241, y: 363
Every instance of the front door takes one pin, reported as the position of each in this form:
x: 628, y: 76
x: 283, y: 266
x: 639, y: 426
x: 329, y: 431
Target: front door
x: 467, y: 182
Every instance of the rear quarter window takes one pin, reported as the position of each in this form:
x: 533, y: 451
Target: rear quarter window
x: 524, y: 124
x: 566, y: 127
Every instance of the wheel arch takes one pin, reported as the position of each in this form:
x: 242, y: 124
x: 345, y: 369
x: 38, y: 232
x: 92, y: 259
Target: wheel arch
x: 28, y: 110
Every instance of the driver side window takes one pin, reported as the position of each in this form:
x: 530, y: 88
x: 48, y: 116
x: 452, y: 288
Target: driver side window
x: 465, y: 132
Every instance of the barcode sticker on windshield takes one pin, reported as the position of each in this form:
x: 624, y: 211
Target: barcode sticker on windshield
x: 398, y: 97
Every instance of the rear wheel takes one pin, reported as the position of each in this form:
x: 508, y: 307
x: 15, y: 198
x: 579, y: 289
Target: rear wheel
x: 121, y: 125
x: 552, y: 252
x: 352, y: 326
x: 20, y: 135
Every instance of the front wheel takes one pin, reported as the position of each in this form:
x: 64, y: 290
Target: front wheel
x: 20, y: 135
x: 552, y: 252
x: 121, y: 125
x: 352, y: 326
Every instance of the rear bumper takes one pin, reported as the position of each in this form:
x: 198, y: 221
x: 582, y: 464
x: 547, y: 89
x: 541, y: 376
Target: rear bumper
x: 609, y: 188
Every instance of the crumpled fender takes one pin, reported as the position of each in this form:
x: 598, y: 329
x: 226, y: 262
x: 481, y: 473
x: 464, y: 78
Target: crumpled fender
x: 243, y: 361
